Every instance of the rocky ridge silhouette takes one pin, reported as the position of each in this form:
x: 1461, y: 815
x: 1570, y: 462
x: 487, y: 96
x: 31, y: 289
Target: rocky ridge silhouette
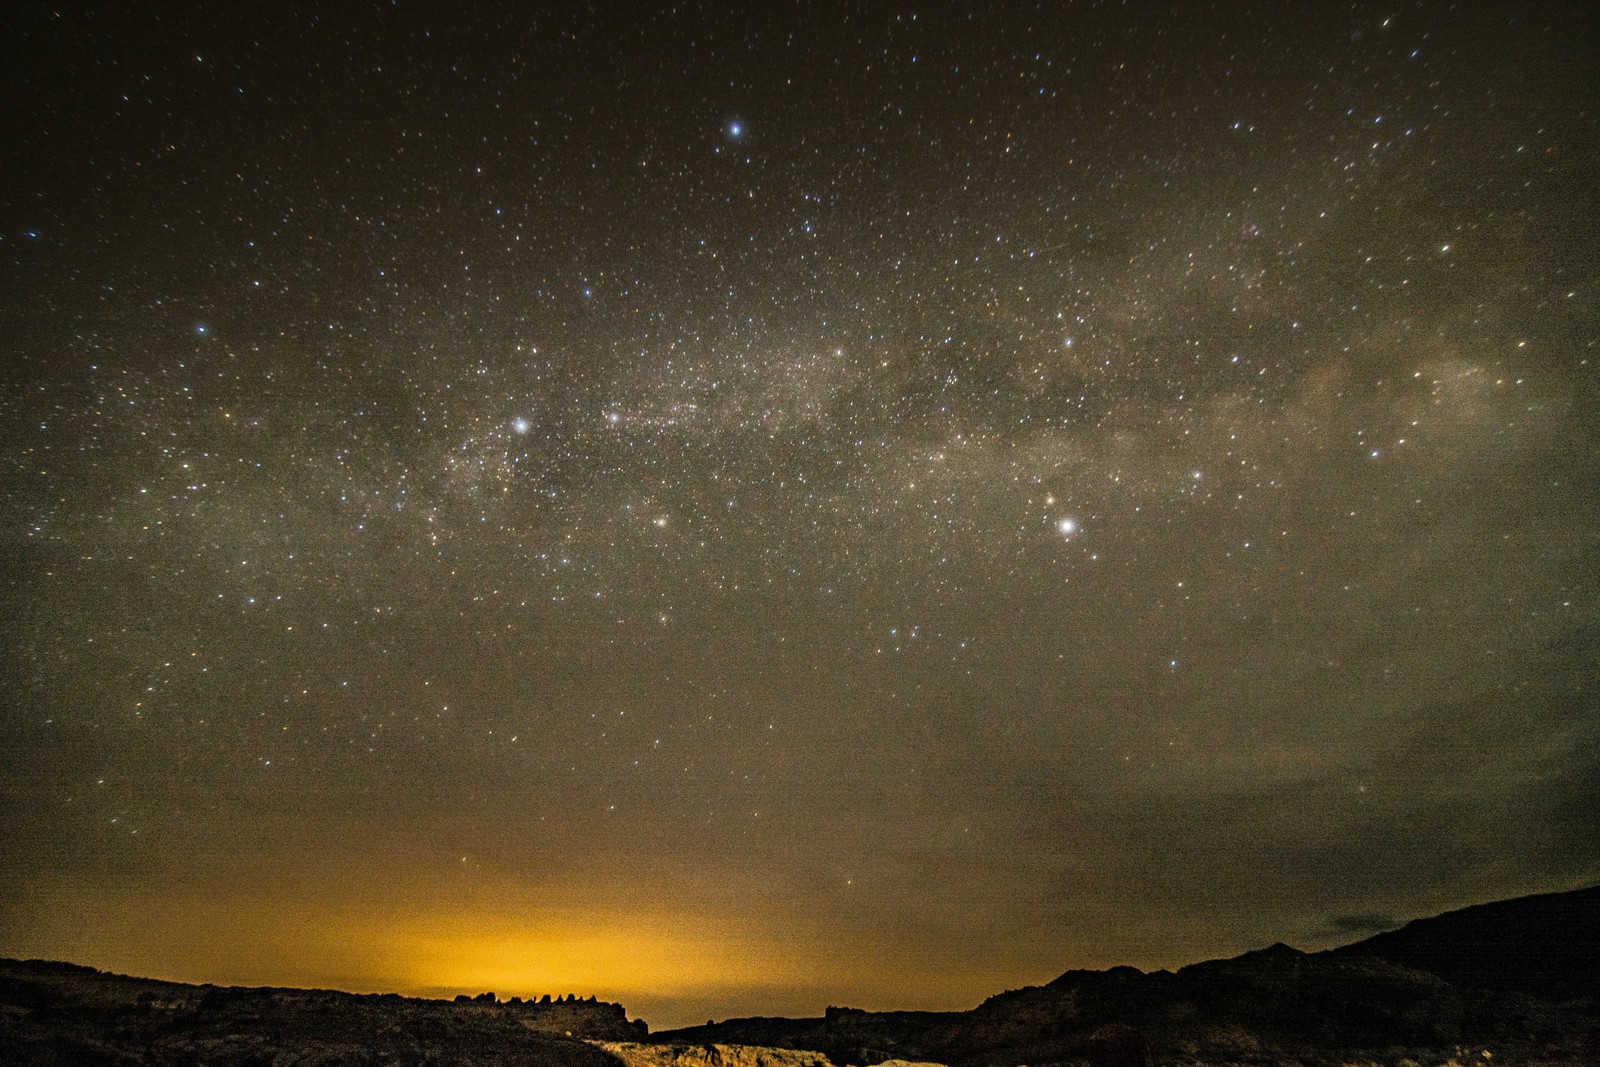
x: 1428, y: 993
x: 1514, y: 982
x: 61, y: 1013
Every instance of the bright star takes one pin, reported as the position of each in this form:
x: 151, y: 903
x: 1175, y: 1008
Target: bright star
x: 520, y: 425
x: 1068, y: 527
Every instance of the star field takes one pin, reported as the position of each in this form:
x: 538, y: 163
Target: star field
x: 735, y: 512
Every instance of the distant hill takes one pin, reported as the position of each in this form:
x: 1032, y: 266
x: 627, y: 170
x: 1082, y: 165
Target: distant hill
x: 1517, y: 979
x: 1547, y: 946
x: 1512, y: 983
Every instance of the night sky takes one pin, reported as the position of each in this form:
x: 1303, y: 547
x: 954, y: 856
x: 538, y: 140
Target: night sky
x: 736, y: 511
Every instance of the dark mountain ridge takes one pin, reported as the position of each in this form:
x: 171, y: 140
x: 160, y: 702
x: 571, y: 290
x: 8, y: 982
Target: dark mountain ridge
x: 1513, y: 982
x: 1516, y: 979
x: 1543, y: 945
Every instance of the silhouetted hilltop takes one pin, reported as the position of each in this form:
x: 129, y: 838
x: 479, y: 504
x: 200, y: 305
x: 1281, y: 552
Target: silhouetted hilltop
x: 1270, y: 1006
x: 59, y: 1013
x: 1547, y: 945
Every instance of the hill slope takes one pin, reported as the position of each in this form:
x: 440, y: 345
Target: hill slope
x: 1515, y: 978
x: 1547, y: 945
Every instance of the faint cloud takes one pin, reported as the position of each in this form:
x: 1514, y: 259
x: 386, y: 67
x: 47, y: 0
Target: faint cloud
x: 1361, y: 924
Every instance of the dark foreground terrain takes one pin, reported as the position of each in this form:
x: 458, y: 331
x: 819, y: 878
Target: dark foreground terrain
x: 58, y: 1013
x: 1514, y: 983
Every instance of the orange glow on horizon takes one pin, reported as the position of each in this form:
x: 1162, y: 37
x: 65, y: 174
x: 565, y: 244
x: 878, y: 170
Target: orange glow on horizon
x: 634, y: 956
x: 607, y: 954
x: 670, y: 963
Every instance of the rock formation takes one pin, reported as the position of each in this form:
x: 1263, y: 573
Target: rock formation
x: 56, y: 1013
